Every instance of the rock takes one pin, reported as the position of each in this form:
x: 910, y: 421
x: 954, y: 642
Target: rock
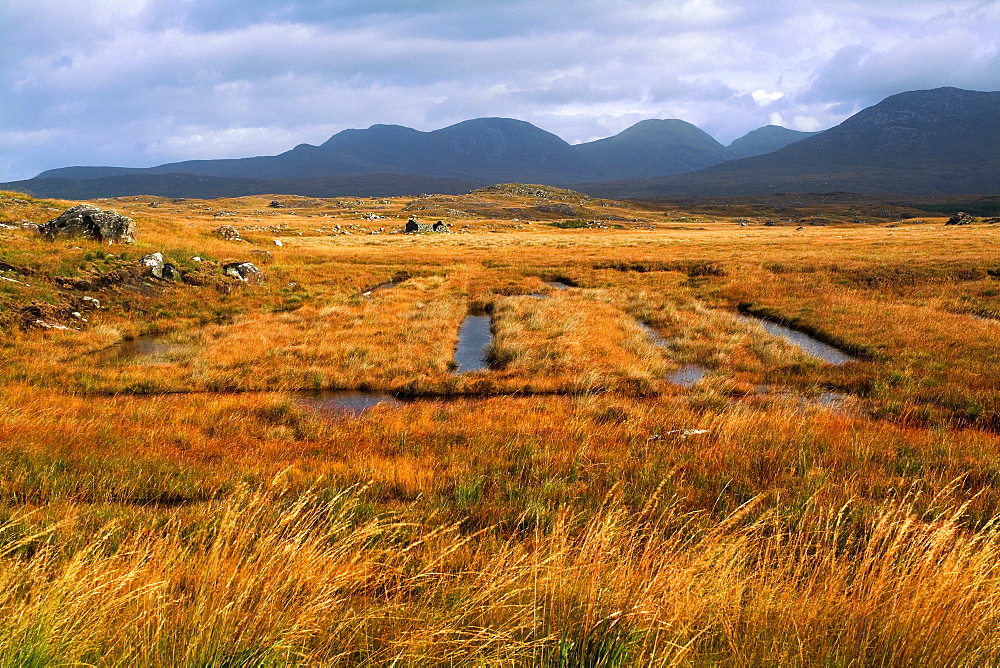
x: 412, y: 226
x: 170, y: 273
x: 277, y: 242
x: 229, y: 233
x: 244, y: 271
x: 275, y: 204
x: 196, y: 258
x: 153, y: 262
x: 961, y: 218
x: 89, y: 221
x: 92, y: 302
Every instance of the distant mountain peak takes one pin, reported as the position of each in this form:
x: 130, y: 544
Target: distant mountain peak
x: 765, y: 140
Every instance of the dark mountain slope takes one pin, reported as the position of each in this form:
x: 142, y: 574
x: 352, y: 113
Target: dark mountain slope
x: 208, y: 187
x: 484, y: 150
x: 922, y: 142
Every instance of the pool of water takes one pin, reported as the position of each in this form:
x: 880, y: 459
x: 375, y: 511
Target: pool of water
x: 688, y: 375
x: 558, y: 285
x: 474, y: 339
x: 653, y: 335
x: 346, y: 403
x: 806, y: 343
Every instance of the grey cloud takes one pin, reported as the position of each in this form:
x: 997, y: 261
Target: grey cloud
x: 172, y: 79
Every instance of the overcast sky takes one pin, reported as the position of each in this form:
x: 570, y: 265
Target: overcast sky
x: 142, y: 82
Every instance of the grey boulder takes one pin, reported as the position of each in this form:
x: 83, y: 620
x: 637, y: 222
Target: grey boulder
x: 86, y: 220
x: 246, y: 272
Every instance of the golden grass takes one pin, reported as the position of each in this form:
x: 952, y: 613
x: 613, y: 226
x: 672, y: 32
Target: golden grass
x: 567, y: 507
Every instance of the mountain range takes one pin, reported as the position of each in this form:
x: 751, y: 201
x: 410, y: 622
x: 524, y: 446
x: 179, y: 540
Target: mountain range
x: 921, y: 142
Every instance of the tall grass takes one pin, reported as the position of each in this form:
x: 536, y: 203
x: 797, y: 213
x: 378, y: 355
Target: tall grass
x: 264, y: 578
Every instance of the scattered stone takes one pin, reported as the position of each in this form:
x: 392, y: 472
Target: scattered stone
x: 154, y: 205
x: 229, y: 233
x: 92, y: 302
x: 90, y: 221
x: 51, y: 325
x: 277, y: 242
x: 196, y: 258
x: 275, y: 204
x: 244, y: 271
x: 154, y: 263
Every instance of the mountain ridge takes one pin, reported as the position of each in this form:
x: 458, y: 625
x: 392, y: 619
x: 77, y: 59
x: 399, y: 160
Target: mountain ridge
x: 943, y: 140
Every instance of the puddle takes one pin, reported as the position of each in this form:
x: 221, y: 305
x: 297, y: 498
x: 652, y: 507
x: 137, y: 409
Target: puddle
x: 688, y: 375
x: 804, y: 342
x: 653, y: 335
x: 141, y: 349
x: 474, y: 339
x: 346, y: 403
x: 558, y: 285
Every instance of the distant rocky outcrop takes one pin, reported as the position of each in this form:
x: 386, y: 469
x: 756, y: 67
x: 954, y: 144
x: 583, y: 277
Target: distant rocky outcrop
x: 86, y: 220
x: 962, y: 218
x: 413, y: 226
x: 228, y: 232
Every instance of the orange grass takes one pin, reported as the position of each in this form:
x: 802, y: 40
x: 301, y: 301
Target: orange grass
x: 190, y: 508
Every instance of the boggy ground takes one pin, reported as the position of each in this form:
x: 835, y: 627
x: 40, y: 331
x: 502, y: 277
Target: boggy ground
x: 569, y: 506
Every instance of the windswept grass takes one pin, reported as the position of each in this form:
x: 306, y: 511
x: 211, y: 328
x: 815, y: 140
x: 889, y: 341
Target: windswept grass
x: 567, y: 507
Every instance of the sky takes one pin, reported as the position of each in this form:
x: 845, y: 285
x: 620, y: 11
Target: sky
x: 143, y: 82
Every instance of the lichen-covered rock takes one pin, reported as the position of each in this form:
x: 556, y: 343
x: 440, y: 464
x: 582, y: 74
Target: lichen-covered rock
x: 86, y: 220
x: 244, y: 271
x: 154, y: 263
x: 229, y: 233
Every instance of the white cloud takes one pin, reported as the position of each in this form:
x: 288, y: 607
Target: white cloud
x: 764, y: 98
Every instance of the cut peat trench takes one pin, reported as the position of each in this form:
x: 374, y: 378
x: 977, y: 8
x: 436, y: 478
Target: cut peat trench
x: 474, y: 339
x: 802, y: 341
x: 346, y: 403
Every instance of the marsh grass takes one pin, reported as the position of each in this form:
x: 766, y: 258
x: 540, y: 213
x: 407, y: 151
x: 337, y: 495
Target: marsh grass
x: 567, y: 507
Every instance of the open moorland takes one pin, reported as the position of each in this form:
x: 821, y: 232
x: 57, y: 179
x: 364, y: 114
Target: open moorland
x: 643, y: 474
